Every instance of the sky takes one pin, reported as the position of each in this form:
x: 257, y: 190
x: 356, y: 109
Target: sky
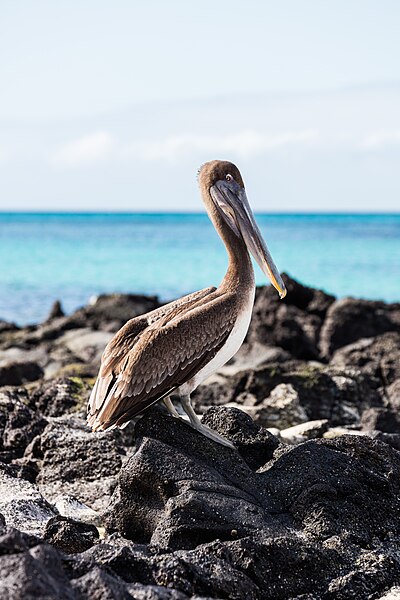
x: 115, y: 105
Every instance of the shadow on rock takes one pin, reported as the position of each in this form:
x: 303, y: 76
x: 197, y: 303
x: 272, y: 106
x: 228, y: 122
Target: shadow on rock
x: 180, y: 489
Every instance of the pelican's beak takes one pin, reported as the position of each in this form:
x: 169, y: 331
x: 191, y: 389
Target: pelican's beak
x: 231, y: 200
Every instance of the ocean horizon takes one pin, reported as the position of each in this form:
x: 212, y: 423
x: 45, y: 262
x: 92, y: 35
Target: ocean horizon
x: 73, y: 256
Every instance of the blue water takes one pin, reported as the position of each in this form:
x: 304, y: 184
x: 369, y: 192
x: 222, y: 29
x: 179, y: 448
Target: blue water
x: 75, y: 256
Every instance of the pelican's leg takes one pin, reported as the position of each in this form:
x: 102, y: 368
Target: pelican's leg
x: 198, y: 425
x: 171, y: 408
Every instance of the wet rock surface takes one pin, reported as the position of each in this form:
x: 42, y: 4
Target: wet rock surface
x: 307, y: 505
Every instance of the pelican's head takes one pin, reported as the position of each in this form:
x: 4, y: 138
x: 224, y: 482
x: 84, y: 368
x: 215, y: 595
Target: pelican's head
x: 222, y: 187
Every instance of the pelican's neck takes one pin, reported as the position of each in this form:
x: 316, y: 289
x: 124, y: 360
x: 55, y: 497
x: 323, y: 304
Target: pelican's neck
x: 240, y: 273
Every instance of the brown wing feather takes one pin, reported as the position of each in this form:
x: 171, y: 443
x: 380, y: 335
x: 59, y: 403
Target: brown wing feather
x: 127, y: 336
x: 116, y: 351
x: 166, y: 355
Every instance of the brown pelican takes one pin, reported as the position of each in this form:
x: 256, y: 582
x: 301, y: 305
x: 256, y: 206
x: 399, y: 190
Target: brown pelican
x: 174, y: 348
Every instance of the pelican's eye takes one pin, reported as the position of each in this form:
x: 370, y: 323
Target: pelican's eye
x: 229, y: 177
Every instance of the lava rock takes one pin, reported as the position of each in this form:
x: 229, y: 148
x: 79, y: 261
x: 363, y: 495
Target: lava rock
x: 382, y: 419
x: 69, y: 506
x: 13, y: 541
x: 7, y: 326
x: 90, y: 456
x: 58, y: 397
x: 350, y: 319
x: 19, y: 425
x: 392, y: 594
x: 22, y: 504
x: 180, y: 489
x: 255, y: 444
x: 266, y: 521
x: 282, y: 395
x: 393, y: 439
x: 112, y: 311
x: 96, y: 584
x: 293, y: 324
x: 35, y: 573
x: 281, y: 409
x: 378, y: 356
x: 393, y: 394
x: 84, y: 344
x: 258, y: 567
x: 70, y: 535
x: 351, y: 484
x: 77, y: 462
x: 16, y: 373
x: 56, y: 311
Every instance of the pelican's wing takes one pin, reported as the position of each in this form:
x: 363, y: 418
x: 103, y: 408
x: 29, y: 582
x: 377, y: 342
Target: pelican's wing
x: 127, y: 336
x: 124, y: 341
x: 166, y: 355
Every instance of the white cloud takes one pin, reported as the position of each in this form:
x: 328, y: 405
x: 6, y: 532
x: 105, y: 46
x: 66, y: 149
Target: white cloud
x: 381, y: 139
x: 85, y: 150
x: 99, y: 146
x: 243, y: 144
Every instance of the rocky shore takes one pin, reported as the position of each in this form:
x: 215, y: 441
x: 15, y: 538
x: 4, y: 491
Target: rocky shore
x: 306, y: 508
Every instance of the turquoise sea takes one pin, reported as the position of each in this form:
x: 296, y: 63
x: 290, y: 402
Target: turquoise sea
x: 75, y: 256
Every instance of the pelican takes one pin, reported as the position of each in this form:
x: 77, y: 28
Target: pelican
x: 176, y: 347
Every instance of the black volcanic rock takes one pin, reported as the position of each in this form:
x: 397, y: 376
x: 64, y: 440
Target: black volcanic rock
x: 392, y: 439
x: 350, y: 319
x: 392, y: 393
x: 347, y: 484
x: 117, y: 309
x: 67, y: 345
x: 105, y: 312
x: 293, y: 323
x: 71, y: 452
x: 58, y: 397
x: 56, y: 311
x: 71, y: 460
x: 342, y: 495
x: 255, y: 444
x: 19, y: 425
x: 7, y: 326
x: 323, y: 392
x: 378, y: 356
x: 350, y: 475
x: 13, y: 541
x: 382, y: 419
x: 34, y: 573
x: 69, y: 535
x: 16, y: 373
x: 274, y: 519
x: 180, y: 489
x: 97, y: 584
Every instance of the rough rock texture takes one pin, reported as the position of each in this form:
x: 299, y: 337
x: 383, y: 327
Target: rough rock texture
x: 379, y: 356
x: 72, y: 460
x: 180, y: 489
x: 255, y: 444
x: 294, y: 324
x: 58, y: 396
x: 19, y: 425
x: 349, y: 320
x: 21, y: 503
x: 307, y: 506
x: 69, y: 535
